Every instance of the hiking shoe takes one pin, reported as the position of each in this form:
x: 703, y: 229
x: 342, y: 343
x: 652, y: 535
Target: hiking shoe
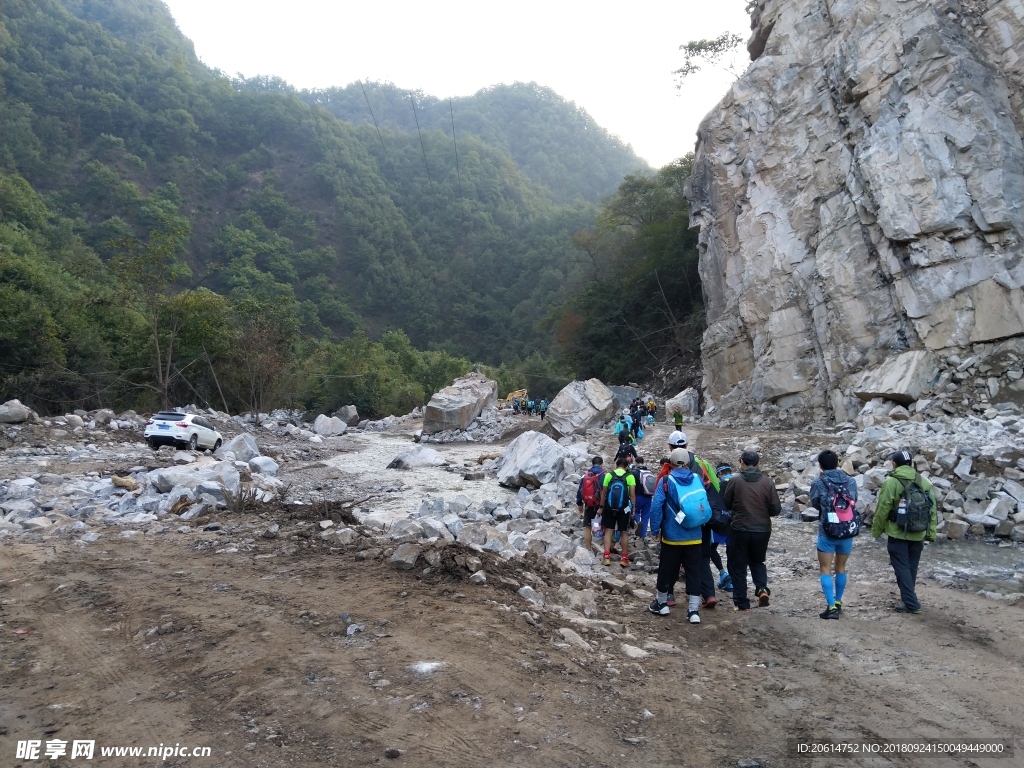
x: 709, y: 602
x: 607, y: 559
x: 762, y: 593
x: 904, y: 609
x: 725, y: 581
x: 829, y: 613
x: 671, y: 599
x: 693, y: 617
x: 624, y: 562
x: 659, y: 609
x: 737, y: 609
x: 839, y: 605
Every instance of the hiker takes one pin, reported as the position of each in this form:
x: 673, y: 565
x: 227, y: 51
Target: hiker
x: 724, y: 472
x: 652, y: 410
x: 753, y: 501
x: 634, y: 414
x: 618, y: 494
x: 626, y: 448
x: 705, y: 471
x: 622, y: 427
x: 679, y: 511
x: 677, y: 417
x: 543, y: 409
x: 646, y: 484
x: 906, y: 513
x: 833, y: 489
x: 588, y: 499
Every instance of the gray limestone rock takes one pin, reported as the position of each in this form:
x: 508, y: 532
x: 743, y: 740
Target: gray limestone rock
x: 13, y: 412
x: 455, y: 407
x: 328, y: 426
x: 531, y: 460
x: 579, y: 406
x: 416, y: 457
x: 405, y: 557
x: 243, y: 446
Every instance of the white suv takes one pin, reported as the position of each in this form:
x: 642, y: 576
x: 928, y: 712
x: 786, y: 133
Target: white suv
x: 184, y: 430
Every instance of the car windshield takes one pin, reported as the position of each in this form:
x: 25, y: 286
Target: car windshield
x: 169, y: 416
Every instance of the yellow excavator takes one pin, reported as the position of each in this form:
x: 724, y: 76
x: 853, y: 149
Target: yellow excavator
x: 519, y: 394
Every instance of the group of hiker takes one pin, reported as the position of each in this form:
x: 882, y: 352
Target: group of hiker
x: 530, y: 407
x: 692, y: 507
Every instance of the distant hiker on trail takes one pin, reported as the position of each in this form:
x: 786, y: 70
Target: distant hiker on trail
x: 676, y: 440
x: 622, y: 427
x: 588, y: 500
x: 652, y: 410
x: 626, y: 448
x: 634, y: 415
x: 753, y: 501
x: 677, y: 417
x: 618, y: 496
x: 906, y: 512
x: 646, y: 484
x: 679, y: 511
x: 543, y: 409
x: 831, y: 494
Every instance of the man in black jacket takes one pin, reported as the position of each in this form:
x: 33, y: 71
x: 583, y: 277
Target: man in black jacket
x: 753, y: 500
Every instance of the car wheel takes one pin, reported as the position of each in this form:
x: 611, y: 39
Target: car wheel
x: 193, y: 442
x: 216, y: 446
x: 154, y: 445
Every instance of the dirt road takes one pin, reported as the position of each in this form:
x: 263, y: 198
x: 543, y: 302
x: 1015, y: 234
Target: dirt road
x: 179, y: 640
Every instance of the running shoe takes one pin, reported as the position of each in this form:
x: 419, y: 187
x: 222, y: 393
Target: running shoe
x: 737, y: 609
x: 709, y: 602
x: 723, y: 579
x: 829, y: 613
x: 607, y: 559
x: 762, y: 593
x: 693, y: 617
x: 904, y: 609
x: 659, y: 609
x: 839, y: 605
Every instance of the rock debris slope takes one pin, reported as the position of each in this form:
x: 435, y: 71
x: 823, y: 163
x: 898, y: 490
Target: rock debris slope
x: 858, y: 194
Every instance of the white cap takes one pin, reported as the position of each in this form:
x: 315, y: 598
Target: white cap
x: 677, y: 439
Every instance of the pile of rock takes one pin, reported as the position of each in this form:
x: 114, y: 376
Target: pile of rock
x: 490, y: 426
x: 194, y: 486
x: 975, y: 463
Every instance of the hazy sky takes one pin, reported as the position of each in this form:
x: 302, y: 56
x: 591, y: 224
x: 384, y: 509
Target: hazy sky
x: 615, y: 61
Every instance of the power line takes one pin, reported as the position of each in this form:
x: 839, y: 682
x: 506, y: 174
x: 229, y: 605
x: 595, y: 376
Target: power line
x: 374, y: 118
x: 422, y: 145
x: 451, y: 111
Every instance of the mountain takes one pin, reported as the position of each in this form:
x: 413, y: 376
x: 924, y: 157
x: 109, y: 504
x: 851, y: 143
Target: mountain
x: 116, y: 124
x: 552, y: 141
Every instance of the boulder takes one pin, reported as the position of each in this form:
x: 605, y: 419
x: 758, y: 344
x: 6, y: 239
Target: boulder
x: 243, y: 446
x: 328, y: 426
x: 13, y: 412
x: 531, y: 460
x: 581, y: 405
x: 264, y: 465
x: 418, y: 456
x: 901, y: 378
x: 349, y: 414
x: 103, y: 417
x: 74, y: 420
x: 956, y: 529
x: 405, y: 557
x: 687, y: 401
x: 455, y: 407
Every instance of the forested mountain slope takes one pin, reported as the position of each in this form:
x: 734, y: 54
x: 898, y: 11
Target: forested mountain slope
x: 552, y: 141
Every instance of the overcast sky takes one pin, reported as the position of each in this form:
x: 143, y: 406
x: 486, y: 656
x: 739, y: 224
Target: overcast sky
x: 614, y: 60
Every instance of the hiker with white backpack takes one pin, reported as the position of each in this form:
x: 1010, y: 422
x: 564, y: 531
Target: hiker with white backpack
x: 834, y: 495
x: 679, y: 511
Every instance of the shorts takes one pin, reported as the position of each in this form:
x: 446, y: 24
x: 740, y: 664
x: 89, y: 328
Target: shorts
x: 589, y: 513
x: 834, y: 546
x: 616, y: 520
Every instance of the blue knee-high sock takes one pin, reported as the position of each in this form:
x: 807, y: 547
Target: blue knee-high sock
x: 828, y: 588
x: 840, y: 585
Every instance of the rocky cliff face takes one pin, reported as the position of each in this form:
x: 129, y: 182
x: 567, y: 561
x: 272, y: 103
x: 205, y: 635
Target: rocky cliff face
x: 859, y: 193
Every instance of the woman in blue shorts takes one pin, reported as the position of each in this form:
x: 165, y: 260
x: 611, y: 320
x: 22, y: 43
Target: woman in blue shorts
x: 831, y: 551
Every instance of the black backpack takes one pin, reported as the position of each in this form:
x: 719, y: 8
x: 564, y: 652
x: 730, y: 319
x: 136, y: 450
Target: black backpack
x: 919, y: 507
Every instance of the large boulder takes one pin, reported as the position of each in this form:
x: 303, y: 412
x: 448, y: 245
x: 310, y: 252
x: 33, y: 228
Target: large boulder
x: 328, y: 426
x: 349, y: 414
x: 581, y: 405
x: 243, y: 446
x: 531, y: 460
x: 687, y: 401
x: 456, y: 406
x: 901, y: 378
x: 419, y: 456
x: 13, y: 412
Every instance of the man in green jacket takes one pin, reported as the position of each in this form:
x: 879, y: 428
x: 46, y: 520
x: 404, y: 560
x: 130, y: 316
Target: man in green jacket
x: 904, y: 546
